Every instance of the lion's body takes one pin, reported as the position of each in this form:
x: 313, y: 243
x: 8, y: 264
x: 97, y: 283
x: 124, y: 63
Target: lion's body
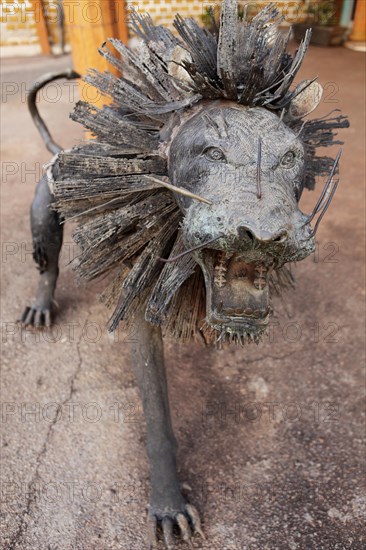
x: 187, y: 198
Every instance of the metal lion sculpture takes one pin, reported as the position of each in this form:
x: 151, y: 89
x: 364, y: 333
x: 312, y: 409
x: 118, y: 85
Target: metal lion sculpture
x: 187, y: 199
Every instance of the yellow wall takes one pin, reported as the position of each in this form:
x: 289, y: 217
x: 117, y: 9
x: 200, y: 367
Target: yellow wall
x: 17, y: 23
x: 18, y: 18
x: 163, y: 11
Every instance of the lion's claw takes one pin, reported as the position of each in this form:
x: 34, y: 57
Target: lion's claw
x: 167, y: 525
x: 152, y: 524
x: 185, y: 520
x: 36, y: 317
x: 195, y: 520
x: 184, y: 527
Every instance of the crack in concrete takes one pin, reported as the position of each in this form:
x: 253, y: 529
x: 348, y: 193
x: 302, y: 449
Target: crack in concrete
x: 22, y: 528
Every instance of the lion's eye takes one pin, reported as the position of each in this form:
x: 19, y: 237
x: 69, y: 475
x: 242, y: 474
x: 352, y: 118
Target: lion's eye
x: 288, y: 160
x: 214, y: 153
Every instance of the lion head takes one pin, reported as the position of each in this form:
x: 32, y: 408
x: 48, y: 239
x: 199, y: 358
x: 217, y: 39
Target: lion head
x: 188, y: 195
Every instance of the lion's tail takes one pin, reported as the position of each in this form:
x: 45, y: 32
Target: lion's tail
x: 33, y: 109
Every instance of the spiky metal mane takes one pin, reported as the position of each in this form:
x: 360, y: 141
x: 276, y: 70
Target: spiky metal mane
x: 127, y: 219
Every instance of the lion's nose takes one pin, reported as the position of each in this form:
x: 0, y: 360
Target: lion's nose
x: 247, y: 232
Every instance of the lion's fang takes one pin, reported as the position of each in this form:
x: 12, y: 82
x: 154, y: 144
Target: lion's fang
x: 260, y: 281
x: 221, y: 269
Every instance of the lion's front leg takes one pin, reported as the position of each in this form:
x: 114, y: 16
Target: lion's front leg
x: 167, y: 504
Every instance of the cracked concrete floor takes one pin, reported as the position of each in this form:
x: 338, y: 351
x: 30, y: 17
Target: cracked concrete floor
x: 270, y: 436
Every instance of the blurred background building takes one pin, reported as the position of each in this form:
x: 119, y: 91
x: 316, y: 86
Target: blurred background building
x: 30, y: 27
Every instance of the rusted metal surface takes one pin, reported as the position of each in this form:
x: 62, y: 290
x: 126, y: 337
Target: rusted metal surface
x: 213, y: 113
x: 231, y: 89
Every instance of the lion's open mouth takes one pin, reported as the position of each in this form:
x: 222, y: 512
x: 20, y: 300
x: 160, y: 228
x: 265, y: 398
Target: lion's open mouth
x: 237, y: 296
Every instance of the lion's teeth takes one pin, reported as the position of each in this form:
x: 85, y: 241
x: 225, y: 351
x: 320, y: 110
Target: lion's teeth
x: 260, y: 280
x: 220, y: 270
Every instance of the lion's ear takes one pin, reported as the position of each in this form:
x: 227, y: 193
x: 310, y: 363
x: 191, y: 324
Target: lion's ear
x: 178, y: 57
x: 307, y: 98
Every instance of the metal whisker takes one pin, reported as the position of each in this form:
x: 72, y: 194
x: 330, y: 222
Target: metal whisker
x: 330, y: 113
x: 90, y: 210
x: 169, y: 260
x: 325, y: 207
x: 259, y: 162
x: 319, y: 203
x: 281, y: 117
x: 179, y: 190
x: 301, y: 129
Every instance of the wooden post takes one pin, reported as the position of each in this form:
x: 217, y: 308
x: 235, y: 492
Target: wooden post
x: 90, y: 23
x: 121, y: 20
x: 357, y: 39
x: 41, y: 26
x: 359, y: 23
